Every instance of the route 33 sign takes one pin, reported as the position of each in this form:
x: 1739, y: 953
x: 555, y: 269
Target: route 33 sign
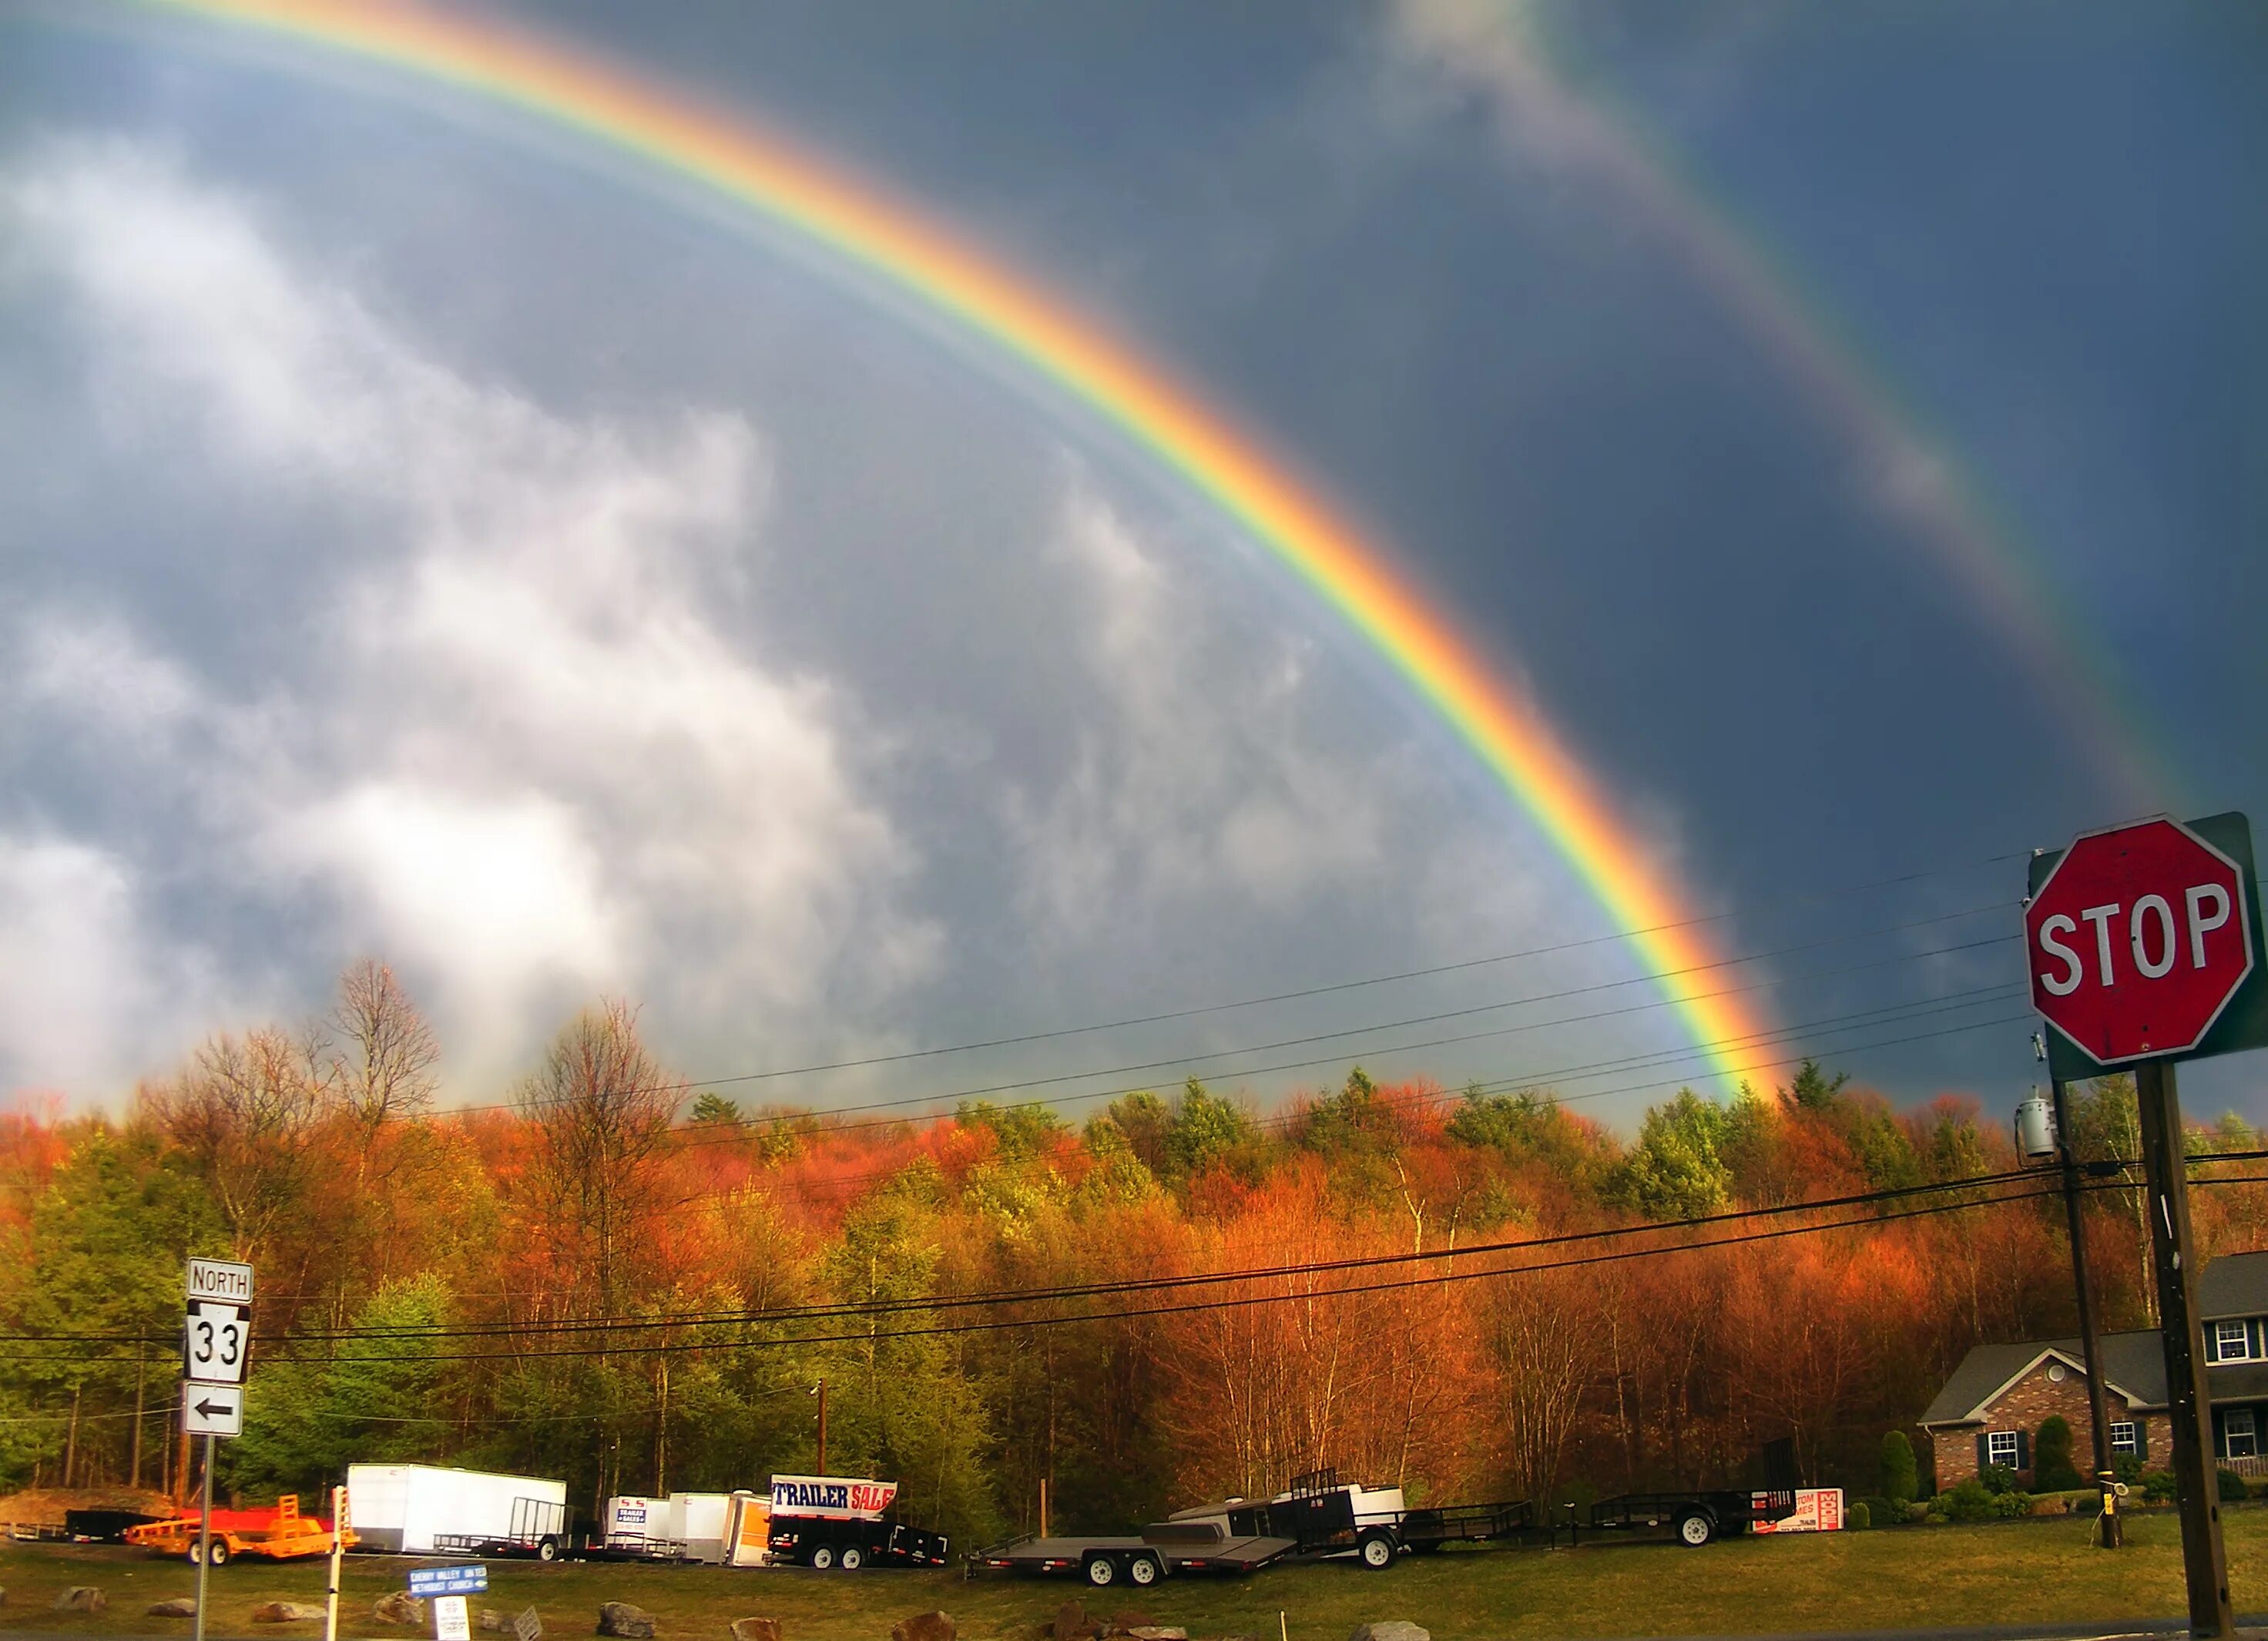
x: 216, y: 1342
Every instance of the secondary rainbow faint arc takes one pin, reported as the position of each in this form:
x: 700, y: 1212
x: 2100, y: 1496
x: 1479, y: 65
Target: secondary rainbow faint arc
x: 858, y: 221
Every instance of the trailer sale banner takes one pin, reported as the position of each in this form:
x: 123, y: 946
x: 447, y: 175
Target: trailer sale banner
x: 830, y: 1496
x: 1817, y: 1509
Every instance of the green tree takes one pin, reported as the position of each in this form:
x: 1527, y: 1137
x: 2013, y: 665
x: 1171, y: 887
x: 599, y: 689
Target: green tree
x: 1901, y: 1479
x: 712, y: 1107
x: 1207, y: 1130
x: 2051, y: 1467
x: 1813, y: 1089
x: 1674, y: 1172
x: 1019, y: 1132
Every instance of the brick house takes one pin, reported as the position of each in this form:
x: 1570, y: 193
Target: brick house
x: 1989, y: 1409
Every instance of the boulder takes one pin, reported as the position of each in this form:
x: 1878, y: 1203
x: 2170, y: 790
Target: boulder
x: 491, y: 1619
x: 1158, y: 1633
x: 923, y: 1627
x: 1073, y: 1624
x: 285, y: 1613
x: 81, y: 1598
x: 757, y: 1630
x: 399, y: 1606
x: 1127, y: 1623
x: 620, y: 1618
x: 180, y: 1607
x: 1393, y: 1630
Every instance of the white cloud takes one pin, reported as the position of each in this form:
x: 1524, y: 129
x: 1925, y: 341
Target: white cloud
x: 1195, y: 776
x: 526, y: 745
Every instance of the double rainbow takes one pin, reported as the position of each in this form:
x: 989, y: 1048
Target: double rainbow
x: 889, y: 241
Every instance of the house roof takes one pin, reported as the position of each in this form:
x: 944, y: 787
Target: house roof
x: 2133, y: 1363
x: 2234, y: 1284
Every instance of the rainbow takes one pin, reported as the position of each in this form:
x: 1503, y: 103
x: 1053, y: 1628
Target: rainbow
x: 894, y: 243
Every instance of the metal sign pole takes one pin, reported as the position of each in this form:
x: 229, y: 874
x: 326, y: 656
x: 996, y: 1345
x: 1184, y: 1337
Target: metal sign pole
x: 204, y: 1540
x: 2205, y: 1562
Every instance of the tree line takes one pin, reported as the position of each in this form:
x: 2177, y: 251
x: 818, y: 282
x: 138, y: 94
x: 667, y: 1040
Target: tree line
x: 613, y: 1278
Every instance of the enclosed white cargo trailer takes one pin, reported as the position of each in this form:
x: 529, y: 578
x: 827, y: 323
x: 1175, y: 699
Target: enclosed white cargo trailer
x: 417, y: 1509
x: 696, y: 1521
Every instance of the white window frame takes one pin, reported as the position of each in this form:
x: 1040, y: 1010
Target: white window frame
x: 2126, y: 1436
x: 2232, y: 1341
x: 2231, y: 1432
x: 1995, y: 1452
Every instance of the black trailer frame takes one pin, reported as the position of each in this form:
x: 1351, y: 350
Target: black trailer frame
x: 537, y: 1527
x: 824, y: 1542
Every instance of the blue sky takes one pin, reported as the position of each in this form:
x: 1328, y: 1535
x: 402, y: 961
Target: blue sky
x: 433, y: 538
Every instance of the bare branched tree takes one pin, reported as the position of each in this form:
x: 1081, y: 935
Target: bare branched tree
x: 602, y: 1108
x: 242, y: 1109
x: 384, y: 1065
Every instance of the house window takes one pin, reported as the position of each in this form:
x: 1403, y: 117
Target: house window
x: 2122, y: 1437
x: 2232, y: 1341
x: 2240, y: 1436
x: 2000, y: 1448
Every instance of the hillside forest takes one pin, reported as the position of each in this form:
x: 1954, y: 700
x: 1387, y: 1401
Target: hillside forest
x: 615, y: 1277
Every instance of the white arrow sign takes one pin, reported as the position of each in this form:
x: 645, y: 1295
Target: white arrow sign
x: 212, y: 1409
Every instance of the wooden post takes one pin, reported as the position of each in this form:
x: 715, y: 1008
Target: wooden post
x: 338, y: 1554
x: 822, y: 1427
x: 141, y: 1363
x: 2110, y: 1529
x: 2205, y: 1562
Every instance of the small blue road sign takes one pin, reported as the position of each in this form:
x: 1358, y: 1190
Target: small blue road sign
x: 448, y: 1580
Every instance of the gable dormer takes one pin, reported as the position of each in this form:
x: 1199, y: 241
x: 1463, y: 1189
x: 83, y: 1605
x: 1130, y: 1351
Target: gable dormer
x: 2230, y: 1339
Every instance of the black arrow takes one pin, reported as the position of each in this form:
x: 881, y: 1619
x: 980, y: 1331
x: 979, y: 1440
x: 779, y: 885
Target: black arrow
x: 208, y: 1408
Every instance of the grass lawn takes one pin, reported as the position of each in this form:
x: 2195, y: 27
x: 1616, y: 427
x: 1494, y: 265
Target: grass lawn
x: 2034, y: 1571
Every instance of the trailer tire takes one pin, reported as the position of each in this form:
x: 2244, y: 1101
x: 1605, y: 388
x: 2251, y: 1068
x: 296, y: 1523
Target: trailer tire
x: 1696, y: 1527
x: 1375, y: 1550
x: 822, y: 1556
x: 851, y: 1559
x: 1423, y: 1532
x: 1144, y: 1568
x: 1101, y: 1572
x: 220, y: 1552
x: 547, y: 1548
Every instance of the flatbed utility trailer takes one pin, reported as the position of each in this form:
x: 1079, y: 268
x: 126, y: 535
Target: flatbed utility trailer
x: 1319, y: 1515
x: 283, y: 1534
x: 1702, y: 1514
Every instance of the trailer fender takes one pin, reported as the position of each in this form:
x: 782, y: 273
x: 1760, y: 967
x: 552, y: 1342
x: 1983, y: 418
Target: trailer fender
x: 1375, y: 1547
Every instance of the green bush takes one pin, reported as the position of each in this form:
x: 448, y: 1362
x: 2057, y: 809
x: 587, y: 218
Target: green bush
x: 1997, y: 1478
x: 2157, y: 1486
x: 1970, y: 1501
x: 1882, y: 1511
x: 2052, y: 1471
x: 1901, y: 1481
x: 2233, y: 1491
x: 2127, y: 1466
x: 1858, y: 1516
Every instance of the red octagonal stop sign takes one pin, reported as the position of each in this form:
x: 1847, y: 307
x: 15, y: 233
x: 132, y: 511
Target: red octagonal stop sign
x: 2137, y: 940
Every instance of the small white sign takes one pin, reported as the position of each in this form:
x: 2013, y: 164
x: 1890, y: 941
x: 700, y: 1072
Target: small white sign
x: 220, y: 1279
x: 451, y: 1620
x: 216, y: 1341
x: 212, y: 1409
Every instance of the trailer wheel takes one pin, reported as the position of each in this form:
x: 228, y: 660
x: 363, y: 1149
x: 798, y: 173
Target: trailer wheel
x: 220, y: 1552
x: 822, y: 1556
x: 1144, y: 1570
x: 1376, y: 1549
x: 1696, y: 1527
x: 1101, y: 1572
x: 852, y: 1559
x: 547, y: 1548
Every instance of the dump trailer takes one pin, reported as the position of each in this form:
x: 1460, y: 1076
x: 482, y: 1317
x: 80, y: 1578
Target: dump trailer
x: 423, y: 1509
x: 281, y: 1534
x: 1317, y: 1515
x: 828, y: 1521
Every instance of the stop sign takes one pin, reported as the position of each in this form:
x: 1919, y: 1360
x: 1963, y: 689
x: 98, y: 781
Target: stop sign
x: 2137, y: 940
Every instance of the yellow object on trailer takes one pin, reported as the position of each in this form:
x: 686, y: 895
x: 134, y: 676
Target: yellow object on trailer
x: 283, y: 1536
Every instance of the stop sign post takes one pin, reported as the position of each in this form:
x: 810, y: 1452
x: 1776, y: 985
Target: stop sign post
x: 2142, y: 942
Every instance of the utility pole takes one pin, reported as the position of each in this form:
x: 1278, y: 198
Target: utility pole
x: 820, y: 1390
x: 2110, y: 1530
x: 2205, y: 1560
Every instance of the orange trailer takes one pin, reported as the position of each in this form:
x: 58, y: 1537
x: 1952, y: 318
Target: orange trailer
x: 281, y: 1535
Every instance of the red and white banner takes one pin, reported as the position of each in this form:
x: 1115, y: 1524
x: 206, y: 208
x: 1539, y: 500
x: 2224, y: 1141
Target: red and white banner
x: 1817, y: 1509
